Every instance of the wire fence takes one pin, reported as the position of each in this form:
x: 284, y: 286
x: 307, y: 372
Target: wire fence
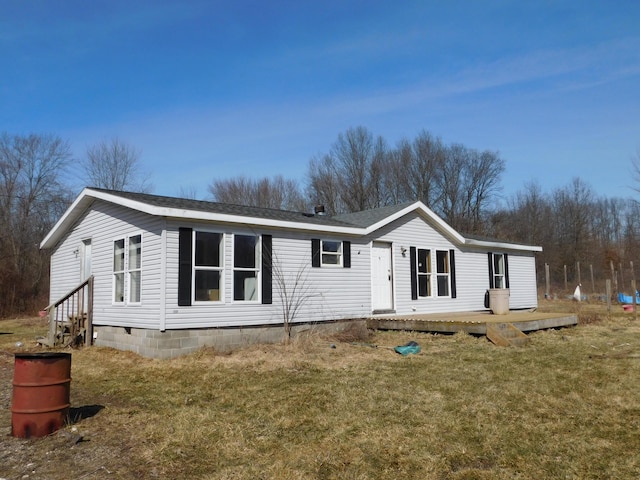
x: 595, y: 281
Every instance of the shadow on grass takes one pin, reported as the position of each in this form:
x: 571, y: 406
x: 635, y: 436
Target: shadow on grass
x: 86, y: 411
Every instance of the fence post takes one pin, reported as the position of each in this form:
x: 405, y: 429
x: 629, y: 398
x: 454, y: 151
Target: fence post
x: 547, y: 292
x: 565, y: 279
x: 593, y: 283
x: 635, y: 300
x: 608, y: 293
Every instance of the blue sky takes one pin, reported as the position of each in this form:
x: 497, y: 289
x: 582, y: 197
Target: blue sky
x: 208, y: 89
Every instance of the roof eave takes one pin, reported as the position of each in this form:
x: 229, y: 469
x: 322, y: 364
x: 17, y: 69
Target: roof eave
x: 502, y: 245
x: 72, y: 213
x: 424, y: 211
x: 87, y: 196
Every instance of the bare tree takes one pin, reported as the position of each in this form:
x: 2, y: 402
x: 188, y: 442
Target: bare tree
x: 293, y: 291
x: 277, y: 192
x: 355, y: 166
x: 324, y: 185
x: 425, y: 170
x: 115, y: 165
x: 450, y: 186
x: 481, y: 185
x: 32, y: 197
x: 572, y: 220
x: 189, y: 191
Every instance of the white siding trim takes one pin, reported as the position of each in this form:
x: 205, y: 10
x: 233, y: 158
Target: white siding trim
x: 162, y: 314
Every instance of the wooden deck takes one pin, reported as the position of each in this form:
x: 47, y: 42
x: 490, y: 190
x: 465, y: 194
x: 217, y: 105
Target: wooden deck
x: 471, y: 322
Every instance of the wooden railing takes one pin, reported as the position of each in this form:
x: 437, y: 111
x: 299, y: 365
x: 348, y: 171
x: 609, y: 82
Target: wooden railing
x: 71, y: 317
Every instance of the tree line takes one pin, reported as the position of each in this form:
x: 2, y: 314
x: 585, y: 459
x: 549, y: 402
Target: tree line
x: 37, y: 184
x: 358, y: 171
x: 463, y: 186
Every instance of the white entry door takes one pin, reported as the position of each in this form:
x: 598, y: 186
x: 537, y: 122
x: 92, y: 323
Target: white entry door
x: 85, y: 263
x: 382, y: 277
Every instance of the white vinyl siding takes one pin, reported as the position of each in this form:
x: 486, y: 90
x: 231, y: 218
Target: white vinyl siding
x: 472, y: 276
x: 102, y: 222
x: 329, y: 293
x: 522, y: 281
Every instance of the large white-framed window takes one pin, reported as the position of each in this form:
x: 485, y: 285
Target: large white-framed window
x: 208, y: 266
x: 127, y: 270
x: 118, y: 270
x: 246, y: 268
x: 443, y: 273
x: 423, y: 272
x: 330, y: 253
x: 134, y: 270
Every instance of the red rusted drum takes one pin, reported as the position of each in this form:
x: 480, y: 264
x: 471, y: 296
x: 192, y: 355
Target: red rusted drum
x: 41, y: 387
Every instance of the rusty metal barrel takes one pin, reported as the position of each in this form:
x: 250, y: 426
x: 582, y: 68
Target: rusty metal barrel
x: 41, y: 388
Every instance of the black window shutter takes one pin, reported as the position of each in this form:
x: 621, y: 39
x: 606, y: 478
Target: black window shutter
x: 315, y: 252
x: 267, y: 269
x: 346, y: 254
x: 490, y: 256
x: 414, y: 273
x: 506, y: 270
x: 452, y: 261
x: 185, y: 243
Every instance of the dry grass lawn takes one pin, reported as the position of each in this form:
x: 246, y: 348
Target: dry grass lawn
x: 565, y: 406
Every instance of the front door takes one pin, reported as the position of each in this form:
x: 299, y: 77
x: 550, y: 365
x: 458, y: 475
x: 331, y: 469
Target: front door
x: 85, y: 264
x: 382, y: 277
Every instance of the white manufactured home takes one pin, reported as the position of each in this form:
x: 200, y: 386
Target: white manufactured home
x: 172, y: 275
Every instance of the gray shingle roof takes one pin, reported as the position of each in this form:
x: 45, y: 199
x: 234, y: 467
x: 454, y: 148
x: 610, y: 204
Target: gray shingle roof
x: 366, y: 218
x: 229, y: 209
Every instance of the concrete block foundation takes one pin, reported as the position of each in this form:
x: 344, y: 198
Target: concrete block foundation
x: 174, y: 343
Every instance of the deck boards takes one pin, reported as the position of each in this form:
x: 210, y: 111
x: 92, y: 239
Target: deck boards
x: 471, y: 322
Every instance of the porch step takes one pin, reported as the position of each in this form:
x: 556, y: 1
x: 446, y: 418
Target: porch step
x: 506, y: 335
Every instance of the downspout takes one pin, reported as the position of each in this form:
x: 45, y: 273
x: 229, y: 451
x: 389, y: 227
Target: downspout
x: 163, y: 277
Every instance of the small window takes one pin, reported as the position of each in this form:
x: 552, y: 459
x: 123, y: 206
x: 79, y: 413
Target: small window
x: 442, y: 272
x: 499, y: 278
x: 498, y: 270
x: 208, y: 266
x: 331, y: 253
x: 423, y: 270
x: 246, y: 267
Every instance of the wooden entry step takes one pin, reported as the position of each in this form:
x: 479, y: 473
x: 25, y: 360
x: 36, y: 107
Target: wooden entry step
x: 506, y: 335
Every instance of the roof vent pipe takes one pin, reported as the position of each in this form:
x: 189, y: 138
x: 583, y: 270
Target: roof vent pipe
x: 319, y: 210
